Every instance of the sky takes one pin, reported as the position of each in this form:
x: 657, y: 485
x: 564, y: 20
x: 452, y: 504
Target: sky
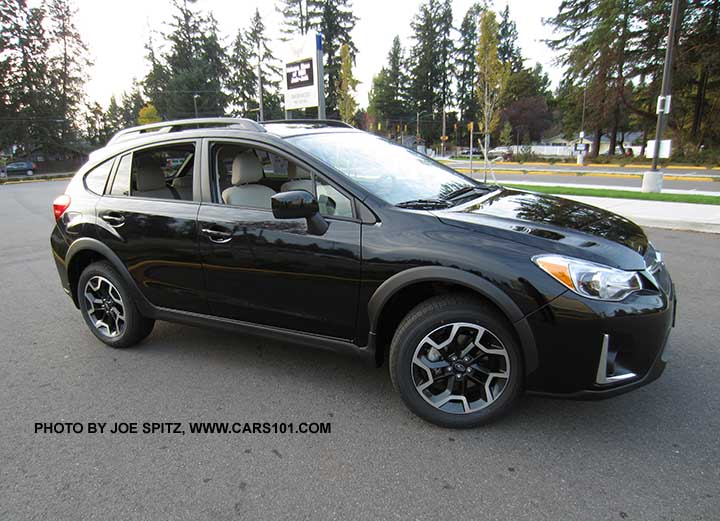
x: 116, y: 35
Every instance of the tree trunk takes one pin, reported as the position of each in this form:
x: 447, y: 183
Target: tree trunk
x: 595, y: 148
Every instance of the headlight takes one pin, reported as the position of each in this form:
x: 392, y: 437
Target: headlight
x: 589, y: 279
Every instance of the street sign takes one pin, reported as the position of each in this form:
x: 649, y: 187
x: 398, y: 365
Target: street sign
x: 663, y: 104
x: 665, y: 148
x: 302, y: 81
x: 581, y: 147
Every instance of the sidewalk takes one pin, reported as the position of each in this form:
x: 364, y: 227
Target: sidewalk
x: 605, y: 187
x: 673, y: 216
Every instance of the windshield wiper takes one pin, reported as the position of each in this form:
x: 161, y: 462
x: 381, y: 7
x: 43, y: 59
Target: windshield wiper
x: 425, y: 204
x: 464, y: 191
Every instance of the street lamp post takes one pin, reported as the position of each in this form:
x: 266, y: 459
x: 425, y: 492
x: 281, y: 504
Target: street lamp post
x: 417, y: 127
x: 195, y: 98
x: 581, y: 153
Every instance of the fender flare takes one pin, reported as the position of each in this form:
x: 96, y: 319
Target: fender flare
x: 405, y: 278
x: 87, y: 243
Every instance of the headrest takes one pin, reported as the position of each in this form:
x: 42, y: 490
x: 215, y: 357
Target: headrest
x: 246, y: 168
x: 294, y: 172
x: 149, y: 174
x: 183, y: 182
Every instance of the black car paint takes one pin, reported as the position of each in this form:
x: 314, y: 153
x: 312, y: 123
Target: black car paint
x: 332, y: 290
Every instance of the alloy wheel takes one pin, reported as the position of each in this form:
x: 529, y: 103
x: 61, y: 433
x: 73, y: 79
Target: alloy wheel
x: 105, y: 307
x: 460, y: 368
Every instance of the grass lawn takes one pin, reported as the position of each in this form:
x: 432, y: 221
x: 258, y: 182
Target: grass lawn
x: 619, y: 194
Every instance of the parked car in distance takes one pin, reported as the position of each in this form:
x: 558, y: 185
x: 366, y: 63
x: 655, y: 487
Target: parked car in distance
x: 500, y: 152
x: 21, y: 167
x: 316, y: 233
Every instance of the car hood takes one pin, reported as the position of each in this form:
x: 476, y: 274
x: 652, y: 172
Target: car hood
x: 554, y: 225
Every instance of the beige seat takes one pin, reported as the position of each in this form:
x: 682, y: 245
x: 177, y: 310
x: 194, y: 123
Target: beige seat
x: 247, y: 170
x: 150, y: 180
x: 184, y: 187
x: 299, y: 179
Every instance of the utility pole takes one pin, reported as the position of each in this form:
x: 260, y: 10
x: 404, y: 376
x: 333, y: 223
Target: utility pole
x: 261, y: 113
x: 581, y: 153
x: 652, y: 180
x: 444, y: 136
x: 320, y: 75
x: 195, y: 98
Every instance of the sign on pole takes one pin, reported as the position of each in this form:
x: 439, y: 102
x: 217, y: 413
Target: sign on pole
x: 304, y: 84
x: 663, y: 151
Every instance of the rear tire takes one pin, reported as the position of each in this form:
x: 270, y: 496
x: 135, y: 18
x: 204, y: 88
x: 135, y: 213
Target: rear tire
x: 108, y: 308
x: 455, y: 362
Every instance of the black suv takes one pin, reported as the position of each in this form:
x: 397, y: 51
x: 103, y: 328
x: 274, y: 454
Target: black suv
x: 316, y: 233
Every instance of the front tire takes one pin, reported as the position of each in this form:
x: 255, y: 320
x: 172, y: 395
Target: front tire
x: 455, y: 362
x: 108, y: 308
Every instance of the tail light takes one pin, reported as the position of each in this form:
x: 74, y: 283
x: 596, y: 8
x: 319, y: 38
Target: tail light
x: 60, y: 204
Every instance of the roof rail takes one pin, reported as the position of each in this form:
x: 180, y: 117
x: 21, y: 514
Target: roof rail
x: 171, y: 126
x: 326, y: 122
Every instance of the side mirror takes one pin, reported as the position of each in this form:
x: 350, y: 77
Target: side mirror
x: 299, y: 204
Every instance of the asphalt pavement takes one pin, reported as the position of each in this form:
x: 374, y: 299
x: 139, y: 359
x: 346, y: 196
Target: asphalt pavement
x: 652, y: 454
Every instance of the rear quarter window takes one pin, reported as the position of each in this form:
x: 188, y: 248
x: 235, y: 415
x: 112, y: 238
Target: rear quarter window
x: 96, y: 178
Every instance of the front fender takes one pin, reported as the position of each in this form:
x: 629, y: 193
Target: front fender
x: 387, y: 289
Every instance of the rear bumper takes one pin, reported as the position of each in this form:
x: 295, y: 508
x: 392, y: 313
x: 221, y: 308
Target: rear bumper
x: 59, y: 248
x: 594, y: 350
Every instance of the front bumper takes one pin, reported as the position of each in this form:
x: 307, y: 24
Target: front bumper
x: 592, y: 349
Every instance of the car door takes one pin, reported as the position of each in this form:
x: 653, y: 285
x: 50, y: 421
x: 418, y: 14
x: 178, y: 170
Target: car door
x: 152, y: 226
x: 273, y: 272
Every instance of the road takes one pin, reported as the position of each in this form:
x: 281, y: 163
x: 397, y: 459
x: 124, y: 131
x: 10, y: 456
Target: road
x: 649, y: 455
x: 698, y: 180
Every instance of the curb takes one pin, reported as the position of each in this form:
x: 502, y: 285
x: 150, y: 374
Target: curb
x: 615, y: 165
x: 702, y: 179
x: 681, y: 226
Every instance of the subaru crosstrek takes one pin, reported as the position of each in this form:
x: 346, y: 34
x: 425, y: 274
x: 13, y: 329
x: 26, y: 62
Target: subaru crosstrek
x: 316, y: 233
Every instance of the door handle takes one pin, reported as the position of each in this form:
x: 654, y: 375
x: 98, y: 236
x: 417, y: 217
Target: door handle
x: 219, y: 236
x: 113, y: 219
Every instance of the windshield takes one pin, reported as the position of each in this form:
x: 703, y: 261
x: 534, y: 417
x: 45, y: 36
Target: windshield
x: 389, y: 171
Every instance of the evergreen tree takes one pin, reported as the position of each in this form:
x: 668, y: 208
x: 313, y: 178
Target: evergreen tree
x: 250, y: 54
x: 242, y: 82
x: 336, y: 22
x: 594, y: 40
x: 347, y: 105
x: 299, y: 16
x: 37, y: 124
x: 195, y: 64
x: 67, y: 68
x: 114, y: 116
x: 8, y: 66
x: 132, y: 102
x: 467, y: 64
x: 267, y: 65
x: 387, y: 95
x: 508, y: 50
x: 445, y: 52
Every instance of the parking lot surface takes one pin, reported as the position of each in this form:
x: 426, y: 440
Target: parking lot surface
x: 652, y: 454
